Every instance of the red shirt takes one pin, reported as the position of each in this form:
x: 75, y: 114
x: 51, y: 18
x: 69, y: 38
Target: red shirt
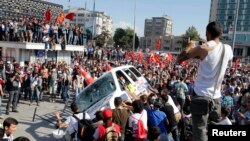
x: 102, y: 131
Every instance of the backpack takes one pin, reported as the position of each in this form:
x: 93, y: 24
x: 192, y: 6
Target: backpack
x: 110, y: 133
x: 142, y: 133
x: 85, y: 126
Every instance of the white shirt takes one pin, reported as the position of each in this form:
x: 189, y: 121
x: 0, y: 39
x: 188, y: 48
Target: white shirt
x: 73, y: 122
x: 171, y: 102
x: 133, y: 121
x: 9, y: 138
x: 206, y: 78
x: 225, y: 121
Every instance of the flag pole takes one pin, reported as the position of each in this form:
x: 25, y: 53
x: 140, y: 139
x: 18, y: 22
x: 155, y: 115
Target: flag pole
x: 134, y: 25
x: 235, y: 24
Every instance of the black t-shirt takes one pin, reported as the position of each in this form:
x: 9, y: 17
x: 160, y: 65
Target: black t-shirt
x: 169, y: 111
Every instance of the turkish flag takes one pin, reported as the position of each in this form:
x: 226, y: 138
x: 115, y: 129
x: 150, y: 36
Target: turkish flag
x: 48, y: 15
x: 70, y: 16
x: 158, y: 44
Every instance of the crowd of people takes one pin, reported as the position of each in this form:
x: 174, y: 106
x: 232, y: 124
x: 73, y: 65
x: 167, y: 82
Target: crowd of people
x: 163, y: 115
x: 34, y: 30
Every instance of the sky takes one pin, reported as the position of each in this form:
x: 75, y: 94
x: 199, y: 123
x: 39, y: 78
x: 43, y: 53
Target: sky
x: 184, y: 13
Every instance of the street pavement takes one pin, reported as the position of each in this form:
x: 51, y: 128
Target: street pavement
x: 40, y: 129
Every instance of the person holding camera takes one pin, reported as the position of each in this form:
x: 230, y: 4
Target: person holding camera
x: 12, y: 86
x: 214, y: 56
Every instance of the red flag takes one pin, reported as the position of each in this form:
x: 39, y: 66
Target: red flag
x: 158, y: 44
x: 237, y: 62
x: 139, y: 57
x: 132, y: 55
x: 57, y: 20
x: 154, y: 58
x: 48, y: 15
x: 170, y: 57
x: 70, y: 16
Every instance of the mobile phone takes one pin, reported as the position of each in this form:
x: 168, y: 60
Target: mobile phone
x: 197, y: 43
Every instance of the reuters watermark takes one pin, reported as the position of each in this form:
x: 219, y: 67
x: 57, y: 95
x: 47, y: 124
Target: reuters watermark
x: 226, y: 131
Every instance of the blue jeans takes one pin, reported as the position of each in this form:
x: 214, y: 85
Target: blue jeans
x: 78, y: 91
x: 65, y: 93
x: 13, y: 97
x: 34, y: 95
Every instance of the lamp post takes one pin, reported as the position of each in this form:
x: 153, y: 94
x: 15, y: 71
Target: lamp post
x: 235, y: 24
x: 93, y: 26
x: 134, y: 26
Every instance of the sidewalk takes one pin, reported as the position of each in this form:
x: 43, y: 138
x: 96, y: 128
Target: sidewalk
x: 39, y: 130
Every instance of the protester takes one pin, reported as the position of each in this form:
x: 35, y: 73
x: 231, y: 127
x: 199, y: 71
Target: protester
x: 9, y: 125
x: 71, y: 122
x: 215, y: 57
x: 109, y: 130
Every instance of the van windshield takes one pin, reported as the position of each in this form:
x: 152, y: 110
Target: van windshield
x: 95, y: 92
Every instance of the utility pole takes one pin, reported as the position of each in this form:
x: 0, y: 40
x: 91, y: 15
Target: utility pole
x: 69, y: 4
x: 93, y: 26
x: 235, y: 24
x: 134, y: 26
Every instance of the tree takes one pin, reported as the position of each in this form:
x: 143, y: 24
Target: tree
x: 124, y: 38
x: 192, y: 33
x: 89, y: 35
x: 103, y: 38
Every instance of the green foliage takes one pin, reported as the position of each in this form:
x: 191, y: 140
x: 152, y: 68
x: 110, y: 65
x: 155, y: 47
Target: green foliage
x: 192, y: 33
x: 124, y: 38
x: 103, y: 38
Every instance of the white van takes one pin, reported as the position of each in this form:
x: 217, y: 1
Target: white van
x: 102, y: 92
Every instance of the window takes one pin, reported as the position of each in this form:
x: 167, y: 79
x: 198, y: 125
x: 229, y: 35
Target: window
x: 95, y: 92
x: 135, y: 72
x: 248, y: 51
x: 130, y: 74
x: 238, y: 51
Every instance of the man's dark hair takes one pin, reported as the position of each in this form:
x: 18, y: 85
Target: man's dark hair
x: 99, y: 115
x: 118, y: 101
x: 164, y: 97
x: 8, y: 121
x: 21, y: 139
x: 74, y: 107
x: 154, y: 133
x: 143, y: 98
x: 225, y: 111
x: 138, y: 106
x: 215, y: 29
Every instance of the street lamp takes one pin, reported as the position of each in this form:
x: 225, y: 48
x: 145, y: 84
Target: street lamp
x: 235, y: 24
x: 134, y: 26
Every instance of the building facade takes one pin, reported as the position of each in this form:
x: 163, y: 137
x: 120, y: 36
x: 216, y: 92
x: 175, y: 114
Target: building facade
x: 172, y: 44
x: 97, y: 21
x: 15, y: 9
x: 158, y: 26
x: 225, y: 11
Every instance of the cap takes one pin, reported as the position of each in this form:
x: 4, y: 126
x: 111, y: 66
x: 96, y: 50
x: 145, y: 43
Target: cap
x: 107, y: 113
